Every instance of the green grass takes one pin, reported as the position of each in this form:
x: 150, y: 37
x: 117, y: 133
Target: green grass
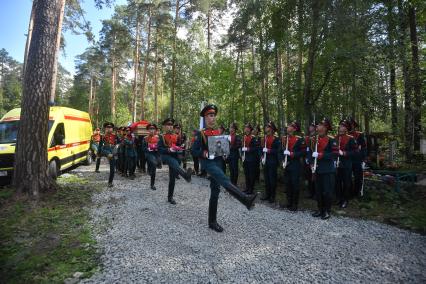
x: 49, y: 240
x: 380, y: 202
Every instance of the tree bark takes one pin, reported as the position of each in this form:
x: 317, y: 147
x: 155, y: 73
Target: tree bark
x: 407, y: 84
x: 299, y: 90
x: 145, y: 66
x: 136, y: 68
x: 392, y: 68
x: 156, y: 77
x: 27, y: 43
x: 57, y: 51
x: 173, y: 87
x: 31, y: 165
x: 113, y: 79
x: 243, y: 79
x: 307, y: 91
x: 416, y: 80
x: 90, y: 96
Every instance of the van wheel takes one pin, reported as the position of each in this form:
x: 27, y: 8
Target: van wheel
x: 53, y: 169
x: 89, y: 158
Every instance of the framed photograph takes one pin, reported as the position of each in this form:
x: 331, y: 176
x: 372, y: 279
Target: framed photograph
x: 218, y: 145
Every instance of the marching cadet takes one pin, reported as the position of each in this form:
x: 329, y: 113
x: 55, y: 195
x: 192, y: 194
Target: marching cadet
x: 222, y: 131
x: 181, y: 142
x: 293, y: 149
x: 194, y: 158
x: 94, y: 140
x: 347, y: 148
x: 250, y: 154
x: 234, y: 152
x: 256, y: 137
x: 322, y: 158
x: 140, y: 161
x: 270, y: 154
x: 213, y: 167
x: 106, y: 149
x: 310, y: 147
x: 121, y: 162
x: 169, y: 155
x: 129, y: 147
x: 359, y: 157
x: 150, y: 147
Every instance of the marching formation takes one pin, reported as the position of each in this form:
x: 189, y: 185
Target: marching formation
x: 331, y: 165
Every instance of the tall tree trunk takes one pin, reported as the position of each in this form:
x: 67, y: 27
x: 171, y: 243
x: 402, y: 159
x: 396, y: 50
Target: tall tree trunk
x: 136, y: 66
x: 254, y: 79
x: 146, y: 63
x: 279, y: 83
x: 299, y: 90
x: 309, y: 72
x: 407, y: 84
x: 173, y: 87
x: 263, y: 75
x: 90, y: 96
x: 243, y: 79
x: 416, y: 80
x: 31, y: 174
x: 113, y: 80
x: 57, y: 51
x: 235, y: 82
x: 93, y: 98
x: 209, y: 29
x: 156, y: 77
x: 391, y: 36
x: 27, y: 43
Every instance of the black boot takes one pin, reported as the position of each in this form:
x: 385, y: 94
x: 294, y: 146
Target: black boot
x: 153, y: 182
x: 212, y: 217
x: 185, y: 174
x: 247, y: 200
x: 326, y: 215
x: 320, y: 211
x: 171, y: 200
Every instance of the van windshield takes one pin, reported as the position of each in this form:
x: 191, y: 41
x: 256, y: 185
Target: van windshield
x: 9, y: 131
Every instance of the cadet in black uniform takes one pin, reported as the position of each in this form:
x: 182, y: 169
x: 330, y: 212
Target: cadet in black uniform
x: 234, y: 153
x: 270, y: 157
x: 293, y: 149
x: 150, y: 148
x: 250, y: 154
x: 323, y: 158
x: 359, y: 157
x: 347, y: 149
x: 106, y: 149
x: 213, y: 167
x: 169, y: 155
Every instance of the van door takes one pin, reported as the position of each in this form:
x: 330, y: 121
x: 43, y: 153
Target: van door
x: 59, y: 147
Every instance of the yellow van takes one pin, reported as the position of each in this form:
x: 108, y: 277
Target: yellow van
x: 70, y: 131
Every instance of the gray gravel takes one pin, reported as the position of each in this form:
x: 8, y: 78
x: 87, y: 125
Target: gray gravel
x: 143, y: 238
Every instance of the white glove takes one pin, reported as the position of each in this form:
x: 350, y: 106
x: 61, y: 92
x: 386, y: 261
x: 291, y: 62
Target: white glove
x: 315, y: 154
x: 229, y: 138
x: 172, y: 150
x: 287, y: 152
x: 265, y: 150
x: 363, y: 165
x: 244, y: 149
x: 340, y: 152
x: 211, y: 157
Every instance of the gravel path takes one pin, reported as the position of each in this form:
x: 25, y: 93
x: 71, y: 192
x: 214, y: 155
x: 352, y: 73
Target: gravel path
x: 147, y: 239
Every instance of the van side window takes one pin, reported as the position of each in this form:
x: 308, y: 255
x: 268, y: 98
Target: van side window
x: 58, y: 136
